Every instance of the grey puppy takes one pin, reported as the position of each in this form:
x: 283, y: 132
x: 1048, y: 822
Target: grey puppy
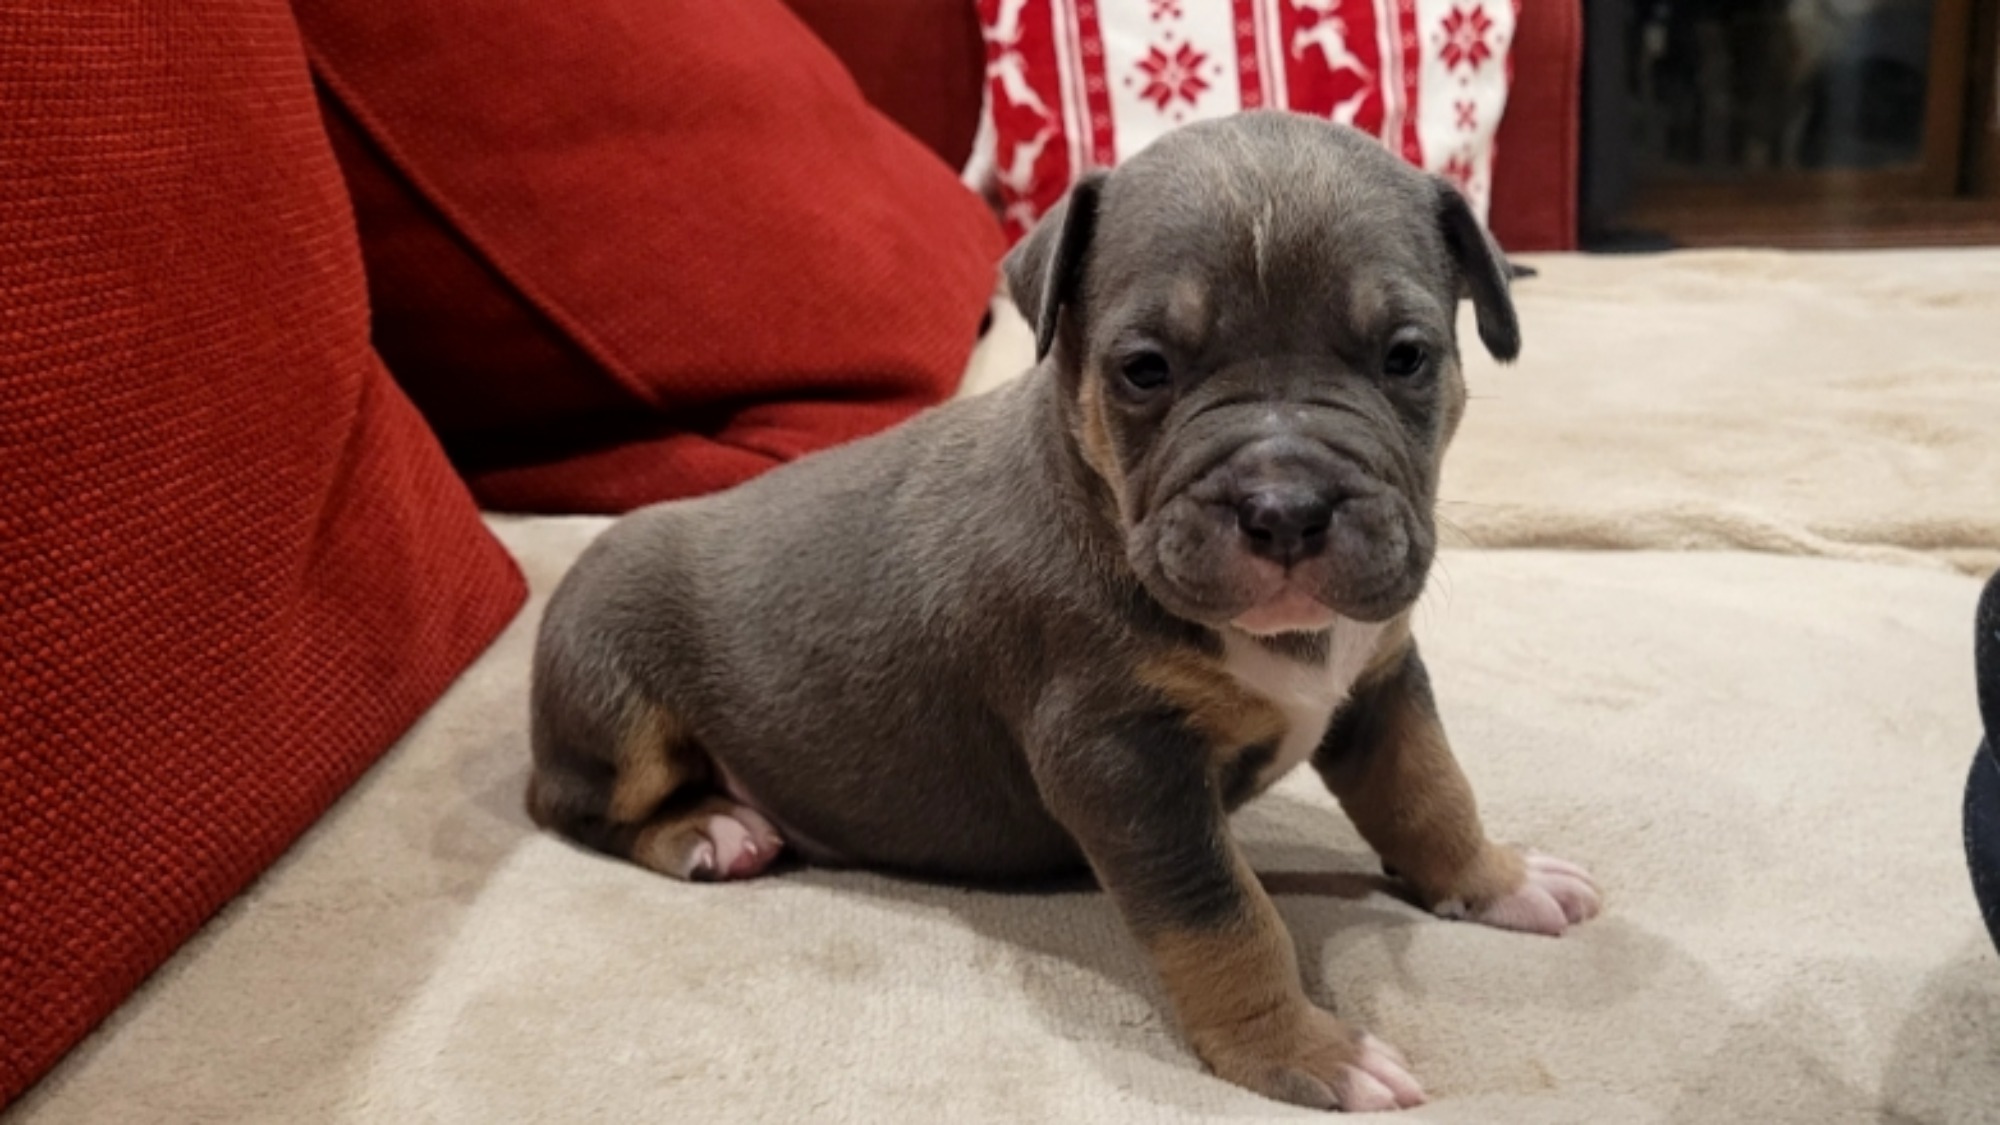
x: 1079, y: 620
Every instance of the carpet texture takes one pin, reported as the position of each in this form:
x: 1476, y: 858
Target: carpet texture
x: 1842, y: 405
x: 1760, y: 757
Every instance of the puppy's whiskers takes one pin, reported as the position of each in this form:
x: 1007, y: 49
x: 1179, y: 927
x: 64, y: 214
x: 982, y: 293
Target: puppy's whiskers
x: 1452, y: 533
x: 1437, y: 593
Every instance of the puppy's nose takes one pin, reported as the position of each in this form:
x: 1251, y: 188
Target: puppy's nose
x: 1285, y: 524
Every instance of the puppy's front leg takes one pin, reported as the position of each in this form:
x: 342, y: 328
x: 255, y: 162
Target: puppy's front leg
x: 1142, y: 802
x: 1387, y: 759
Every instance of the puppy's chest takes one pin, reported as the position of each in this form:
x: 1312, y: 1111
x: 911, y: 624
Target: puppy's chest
x: 1306, y: 692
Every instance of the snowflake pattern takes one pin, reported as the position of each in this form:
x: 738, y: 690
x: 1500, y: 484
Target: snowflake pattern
x: 1172, y: 78
x: 1165, y: 10
x: 1468, y: 115
x: 1465, y: 31
x: 1458, y: 169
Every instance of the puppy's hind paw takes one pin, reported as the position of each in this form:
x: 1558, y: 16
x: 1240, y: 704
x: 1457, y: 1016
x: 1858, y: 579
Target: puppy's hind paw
x: 716, y: 841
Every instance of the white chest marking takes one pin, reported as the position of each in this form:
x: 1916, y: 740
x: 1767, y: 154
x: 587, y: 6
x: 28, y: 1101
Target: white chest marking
x: 1307, y: 694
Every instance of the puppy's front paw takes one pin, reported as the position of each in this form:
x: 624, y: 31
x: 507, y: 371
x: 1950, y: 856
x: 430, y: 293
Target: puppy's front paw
x: 1309, y: 1058
x: 1550, y: 896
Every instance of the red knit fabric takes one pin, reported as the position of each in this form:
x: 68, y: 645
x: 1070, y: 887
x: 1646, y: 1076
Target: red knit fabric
x: 233, y: 565
x: 1536, y: 154
x: 673, y: 247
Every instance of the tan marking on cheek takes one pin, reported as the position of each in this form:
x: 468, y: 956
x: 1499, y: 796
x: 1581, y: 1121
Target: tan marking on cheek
x: 654, y: 759
x: 1229, y: 715
x: 1454, y: 403
x: 1094, y: 435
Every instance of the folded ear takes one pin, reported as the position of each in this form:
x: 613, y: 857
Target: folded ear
x: 1045, y: 268
x: 1482, y: 270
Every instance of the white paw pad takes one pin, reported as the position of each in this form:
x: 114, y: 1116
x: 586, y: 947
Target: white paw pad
x: 1379, y: 1079
x: 1556, y: 895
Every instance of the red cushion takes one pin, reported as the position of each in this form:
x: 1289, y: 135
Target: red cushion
x: 673, y: 247
x: 1535, y: 166
x: 1080, y: 84
x: 234, y: 566
x: 921, y: 62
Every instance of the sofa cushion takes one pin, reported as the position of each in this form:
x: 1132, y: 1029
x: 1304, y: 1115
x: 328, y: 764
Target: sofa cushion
x: 233, y: 564
x: 1537, y: 151
x: 1079, y: 84
x: 920, y: 62
x: 1759, y: 757
x: 1840, y: 404
x: 674, y: 247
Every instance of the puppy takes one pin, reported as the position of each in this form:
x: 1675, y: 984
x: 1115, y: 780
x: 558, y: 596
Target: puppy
x: 1081, y: 619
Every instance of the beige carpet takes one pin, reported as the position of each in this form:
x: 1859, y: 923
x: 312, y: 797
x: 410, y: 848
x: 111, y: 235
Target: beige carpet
x: 1842, y: 405
x: 1760, y: 757
x: 1760, y: 754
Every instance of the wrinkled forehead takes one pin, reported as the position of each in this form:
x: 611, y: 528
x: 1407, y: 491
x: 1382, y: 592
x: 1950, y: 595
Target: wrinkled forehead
x: 1202, y: 241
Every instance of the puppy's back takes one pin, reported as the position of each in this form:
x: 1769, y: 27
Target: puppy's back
x: 830, y: 637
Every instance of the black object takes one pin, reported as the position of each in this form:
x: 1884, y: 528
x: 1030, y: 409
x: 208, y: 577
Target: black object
x: 1982, y: 789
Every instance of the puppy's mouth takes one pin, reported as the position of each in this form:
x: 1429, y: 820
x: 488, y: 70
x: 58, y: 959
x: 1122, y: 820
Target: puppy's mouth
x: 1204, y: 566
x: 1308, y: 600
x: 1291, y: 611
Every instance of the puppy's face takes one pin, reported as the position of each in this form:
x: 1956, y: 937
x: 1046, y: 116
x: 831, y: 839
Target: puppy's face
x: 1255, y: 322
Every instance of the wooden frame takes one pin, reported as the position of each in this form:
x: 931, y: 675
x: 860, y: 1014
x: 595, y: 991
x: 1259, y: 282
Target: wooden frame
x: 1949, y: 196
x: 1982, y: 118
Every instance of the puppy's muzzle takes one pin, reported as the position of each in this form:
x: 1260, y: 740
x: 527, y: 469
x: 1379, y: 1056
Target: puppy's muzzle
x: 1287, y: 491
x: 1285, y: 523
x: 1314, y: 517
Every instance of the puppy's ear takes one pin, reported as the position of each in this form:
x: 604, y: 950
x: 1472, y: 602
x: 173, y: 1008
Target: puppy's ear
x: 1483, y: 271
x: 1043, y: 270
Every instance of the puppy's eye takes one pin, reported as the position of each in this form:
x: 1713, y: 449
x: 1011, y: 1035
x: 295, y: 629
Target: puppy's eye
x: 1145, y: 371
x: 1405, y: 359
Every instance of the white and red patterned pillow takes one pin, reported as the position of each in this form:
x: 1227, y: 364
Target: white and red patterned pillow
x: 1073, y: 85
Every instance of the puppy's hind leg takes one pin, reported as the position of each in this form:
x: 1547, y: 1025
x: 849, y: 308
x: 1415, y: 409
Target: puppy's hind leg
x: 622, y: 775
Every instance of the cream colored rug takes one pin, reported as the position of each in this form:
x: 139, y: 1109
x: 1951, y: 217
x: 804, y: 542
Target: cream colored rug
x: 1759, y: 756
x: 1843, y: 405
x: 1759, y: 753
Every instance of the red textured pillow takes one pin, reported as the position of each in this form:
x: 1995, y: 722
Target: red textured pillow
x: 629, y: 250
x: 234, y: 566
x: 1080, y: 84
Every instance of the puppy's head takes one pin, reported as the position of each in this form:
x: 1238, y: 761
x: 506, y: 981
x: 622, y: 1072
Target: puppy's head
x: 1254, y: 322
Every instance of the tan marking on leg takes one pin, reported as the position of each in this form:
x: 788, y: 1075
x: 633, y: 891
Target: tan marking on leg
x: 654, y: 759
x: 1235, y: 986
x: 1236, y: 994
x: 1406, y: 794
x: 1230, y: 715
